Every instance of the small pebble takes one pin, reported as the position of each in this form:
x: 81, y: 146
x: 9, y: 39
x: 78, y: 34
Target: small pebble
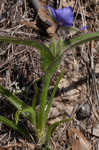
x: 83, y: 111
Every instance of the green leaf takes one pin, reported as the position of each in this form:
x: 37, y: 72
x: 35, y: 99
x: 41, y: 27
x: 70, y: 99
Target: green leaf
x: 29, y: 113
x: 52, y: 128
x: 46, y: 80
x: 12, y: 98
x: 12, y: 125
x: 52, y: 95
x: 43, y: 99
x: 59, y: 47
x: 26, y: 110
x: 83, y: 38
x: 56, y: 47
x: 17, y: 116
x: 35, y: 95
x: 52, y: 47
x: 46, y: 55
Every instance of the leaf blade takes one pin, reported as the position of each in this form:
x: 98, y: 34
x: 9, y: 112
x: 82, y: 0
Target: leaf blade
x: 12, y: 125
x: 83, y: 38
x: 46, y: 55
x: 52, y: 127
x: 19, y: 104
x: 52, y: 95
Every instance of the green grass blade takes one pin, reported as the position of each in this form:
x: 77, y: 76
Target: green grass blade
x: 12, y: 98
x: 52, y: 95
x: 17, y: 116
x: 29, y: 113
x: 35, y: 95
x: 83, y: 38
x: 12, y: 125
x: 52, y: 128
x: 26, y: 110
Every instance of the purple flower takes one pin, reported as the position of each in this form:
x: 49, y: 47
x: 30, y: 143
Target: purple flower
x: 83, y: 28
x: 63, y: 16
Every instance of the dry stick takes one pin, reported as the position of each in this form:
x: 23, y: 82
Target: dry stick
x: 92, y: 69
x: 92, y: 77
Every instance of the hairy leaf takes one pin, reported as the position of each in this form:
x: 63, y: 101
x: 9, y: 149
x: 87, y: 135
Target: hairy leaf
x: 83, y: 38
x: 12, y: 125
x: 46, y: 55
x: 26, y: 110
x: 52, y: 95
x: 52, y: 128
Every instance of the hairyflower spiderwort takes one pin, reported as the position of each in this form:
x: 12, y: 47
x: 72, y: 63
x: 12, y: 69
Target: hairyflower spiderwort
x: 63, y: 16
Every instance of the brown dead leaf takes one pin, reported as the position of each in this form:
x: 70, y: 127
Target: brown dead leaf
x: 64, y: 3
x: 51, y: 30
x: 95, y: 130
x: 29, y: 24
x: 46, y: 18
x: 79, y: 141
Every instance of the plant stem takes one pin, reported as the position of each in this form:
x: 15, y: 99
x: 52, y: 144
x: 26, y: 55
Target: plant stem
x: 41, y: 113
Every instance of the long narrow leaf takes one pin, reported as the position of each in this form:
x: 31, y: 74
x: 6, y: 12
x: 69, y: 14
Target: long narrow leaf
x: 29, y: 113
x: 34, y: 101
x: 83, y: 38
x: 41, y: 117
x: 41, y: 114
x: 52, y: 128
x: 52, y: 95
x: 12, y: 98
x: 12, y: 125
x: 43, y: 99
x: 43, y: 49
x: 26, y: 110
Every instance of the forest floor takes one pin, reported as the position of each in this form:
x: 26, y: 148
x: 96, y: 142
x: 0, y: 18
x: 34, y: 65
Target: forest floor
x: 78, y: 89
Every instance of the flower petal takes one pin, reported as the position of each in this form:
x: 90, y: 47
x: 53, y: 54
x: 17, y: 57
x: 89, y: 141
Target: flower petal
x: 51, y: 10
x: 83, y: 28
x: 63, y: 16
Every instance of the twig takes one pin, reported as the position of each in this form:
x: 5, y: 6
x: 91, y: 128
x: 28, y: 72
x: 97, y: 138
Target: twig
x: 92, y: 72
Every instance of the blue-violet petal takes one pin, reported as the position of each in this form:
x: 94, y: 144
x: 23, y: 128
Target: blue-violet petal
x: 63, y: 16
